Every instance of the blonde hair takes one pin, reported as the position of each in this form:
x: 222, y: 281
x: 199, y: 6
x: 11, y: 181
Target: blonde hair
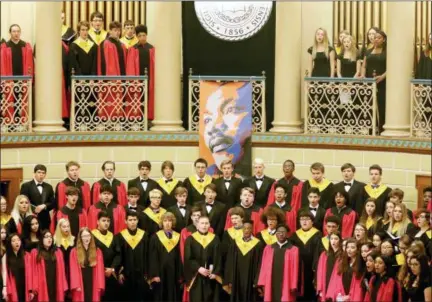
x: 81, y: 252
x: 15, y: 211
x: 387, y: 218
x: 154, y: 192
x: 325, y: 42
x: 346, y: 33
x: 353, y: 49
x: 404, y: 222
x: 168, y: 216
x: 58, y: 236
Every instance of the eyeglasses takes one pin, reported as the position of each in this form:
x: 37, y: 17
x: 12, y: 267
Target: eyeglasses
x: 305, y: 219
x: 86, y: 236
x: 48, y: 236
x: 359, y: 230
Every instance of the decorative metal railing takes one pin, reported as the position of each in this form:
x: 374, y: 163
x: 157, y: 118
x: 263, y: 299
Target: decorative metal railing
x: 16, y: 104
x: 421, y: 108
x: 344, y: 106
x: 258, y: 98
x: 109, y: 103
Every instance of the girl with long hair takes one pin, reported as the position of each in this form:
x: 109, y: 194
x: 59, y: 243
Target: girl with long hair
x: 424, y: 233
x: 31, y: 233
x: 388, y: 214
x: 87, y: 272
x: 418, y: 285
x: 3, y: 273
x: 368, y: 43
x: 5, y: 218
x: 369, y: 269
x: 424, y: 67
x: 21, y: 210
x: 64, y: 242
x: 348, y: 59
x: 360, y: 233
x: 339, y: 45
x: 321, y: 55
x: 400, y: 224
x: 344, y: 212
x: 388, y: 250
x: 370, y: 217
x: 49, y: 283
x: 377, y: 239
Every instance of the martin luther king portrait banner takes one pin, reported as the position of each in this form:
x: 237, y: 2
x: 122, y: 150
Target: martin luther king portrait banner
x: 225, y: 125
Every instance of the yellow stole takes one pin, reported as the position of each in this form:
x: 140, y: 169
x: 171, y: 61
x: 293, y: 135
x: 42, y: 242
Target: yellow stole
x: 338, y: 50
x: 168, y: 187
x: 234, y: 233
x: 268, y: 239
x: 395, y: 227
x: 105, y: 239
x: 84, y: 45
x: 132, y: 240
x: 304, y: 236
x: 321, y: 186
x: 4, y: 218
x: 169, y: 244
x: 65, y: 243
x: 64, y: 29
x: 326, y: 242
x: 246, y: 247
x: 204, y: 240
x: 369, y: 222
x: 97, y: 38
x: 156, y: 217
x: 199, y: 186
x: 429, y: 234
x: 400, y: 259
x: 375, y: 193
x: 129, y: 42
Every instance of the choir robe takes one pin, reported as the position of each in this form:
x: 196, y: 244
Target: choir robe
x: 77, y: 219
x: 261, y: 192
x: 9, y: 224
x: 68, y: 34
x: 348, y: 218
x: 168, y: 187
x: 84, y: 199
x: 326, y: 190
x: 202, y: 251
x: 144, y: 199
x: 347, y: 284
x: 279, y: 273
x: 426, y: 238
x: 42, y: 285
x: 129, y: 42
x: 230, y: 196
x: 76, y: 277
x: 228, y: 238
x: 242, y: 267
x: 139, y: 58
x: 66, y: 249
x: 380, y: 194
x: 133, y: 249
x: 119, y: 191
x: 217, y: 216
x: 83, y: 57
x: 97, y: 37
x: 185, y: 233
x: 355, y: 194
x: 252, y: 213
x: 326, y: 266
x: 116, y: 213
x: 105, y: 243
x: 375, y: 226
x: 294, y: 192
x: 19, y: 279
x: 290, y: 216
x: 196, y: 188
x: 166, y: 264
x: 266, y: 237
x: 181, y: 221
x: 308, y: 243
x: 150, y: 220
x: 411, y: 230
x: 383, y: 289
x: 318, y: 221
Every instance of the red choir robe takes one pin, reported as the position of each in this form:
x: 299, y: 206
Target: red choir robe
x: 76, y: 280
x: 12, y: 294
x: 290, y: 273
x: 335, y: 287
x: 120, y: 188
x: 62, y: 200
x: 296, y: 197
x: 321, y: 277
x: 348, y: 220
x: 133, y: 69
x: 59, y: 215
x: 119, y: 216
x: 40, y: 282
x: 255, y: 215
x: 385, y: 291
x: 429, y: 206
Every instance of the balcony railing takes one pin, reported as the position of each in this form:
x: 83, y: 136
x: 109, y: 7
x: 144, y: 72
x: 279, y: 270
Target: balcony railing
x: 109, y: 103
x: 16, y: 104
x: 344, y: 106
x: 421, y: 108
x: 258, y: 98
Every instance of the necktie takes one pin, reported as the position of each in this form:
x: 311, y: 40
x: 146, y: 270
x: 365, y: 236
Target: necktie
x: 375, y: 186
x: 312, y: 209
x: 144, y: 180
x: 348, y: 184
x: 168, y: 180
x: 200, y: 180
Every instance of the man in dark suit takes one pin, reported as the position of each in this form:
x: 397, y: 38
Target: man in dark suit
x: 353, y: 187
x: 181, y: 210
x: 314, y: 207
x: 228, y: 187
x: 143, y: 183
x: 41, y: 195
x: 214, y: 209
x: 261, y: 183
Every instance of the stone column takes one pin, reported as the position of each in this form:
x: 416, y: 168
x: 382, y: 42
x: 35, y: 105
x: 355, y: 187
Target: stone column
x: 164, y: 26
x: 48, y: 70
x: 287, y: 93
x: 400, y: 53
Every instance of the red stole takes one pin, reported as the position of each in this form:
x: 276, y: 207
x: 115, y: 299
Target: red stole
x: 348, y: 223
x: 133, y: 69
x: 385, y: 292
x: 296, y: 196
x: 290, y: 276
x: 40, y: 282
x: 121, y: 193
x: 119, y: 216
x: 12, y: 293
x: 76, y: 280
x: 336, y: 286
x: 85, y: 191
x: 255, y: 217
x: 291, y: 221
x: 429, y: 206
x: 59, y: 215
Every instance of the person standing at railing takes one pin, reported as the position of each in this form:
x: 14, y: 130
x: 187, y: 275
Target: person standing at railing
x: 424, y: 68
x: 321, y: 56
x: 368, y: 45
x: 348, y: 60
x: 97, y: 33
x: 129, y: 39
x: 83, y: 52
x: 374, y: 66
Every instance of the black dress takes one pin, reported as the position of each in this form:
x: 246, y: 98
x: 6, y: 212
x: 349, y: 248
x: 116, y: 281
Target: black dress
x: 348, y: 67
x: 29, y: 245
x: 424, y: 68
x: 87, y: 275
x: 17, y: 268
x: 51, y: 276
x: 417, y: 293
x: 321, y: 63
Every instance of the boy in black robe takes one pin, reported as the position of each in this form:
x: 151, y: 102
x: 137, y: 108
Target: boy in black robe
x: 195, y: 184
x: 323, y: 184
x: 151, y: 217
x: 375, y: 189
x: 68, y: 34
x: 83, y: 52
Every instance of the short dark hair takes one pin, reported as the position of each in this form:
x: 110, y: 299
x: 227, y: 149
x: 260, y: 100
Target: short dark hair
x: 283, y: 226
x: 376, y: 167
x: 144, y: 164
x: 211, y: 186
x: 104, y: 189
x: 248, y: 221
x: 13, y: 25
x: 279, y: 185
x: 108, y: 162
x: 167, y: 164
x: 103, y: 214
x: 82, y: 23
x: 289, y: 161
x: 129, y: 23
x: 197, y: 209
x: 115, y: 24
x: 344, y: 194
x: 40, y: 167
x: 202, y: 161
x: 427, y: 189
x: 131, y: 214
x: 133, y: 191
x: 96, y: 15
x: 313, y: 190
x: 333, y: 219
x: 305, y: 213
x: 72, y: 191
x: 70, y: 164
x: 317, y: 166
x: 348, y: 166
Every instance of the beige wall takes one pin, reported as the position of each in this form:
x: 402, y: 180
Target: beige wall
x: 399, y: 168
x: 22, y: 13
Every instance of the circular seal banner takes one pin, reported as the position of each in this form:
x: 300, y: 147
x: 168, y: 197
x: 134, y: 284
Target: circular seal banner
x: 233, y: 21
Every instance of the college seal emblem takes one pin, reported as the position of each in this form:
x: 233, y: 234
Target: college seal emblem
x: 233, y: 21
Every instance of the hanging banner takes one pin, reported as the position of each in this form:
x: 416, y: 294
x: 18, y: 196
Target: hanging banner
x: 225, y: 125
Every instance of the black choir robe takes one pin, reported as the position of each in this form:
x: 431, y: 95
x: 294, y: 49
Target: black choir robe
x: 196, y: 188
x: 144, y: 199
x: 132, y: 247
x: 308, y: 243
x: 267, y: 237
x: 261, y: 194
x: 181, y: 221
x: 252, y: 213
x: 139, y: 58
x: 9, y: 223
x: 150, y: 220
x: 318, y: 221
x: 84, y: 199
x: 325, y: 188
x: 356, y: 199
x: 217, y: 216
x: 77, y: 219
x: 202, y: 251
x: 231, y: 196
x: 242, y: 268
x: 83, y: 57
x: 294, y: 191
x: 165, y: 263
x: 116, y: 212
x: 119, y: 191
x: 380, y: 194
x: 168, y: 187
x: 97, y: 37
x: 348, y: 218
x: 105, y: 243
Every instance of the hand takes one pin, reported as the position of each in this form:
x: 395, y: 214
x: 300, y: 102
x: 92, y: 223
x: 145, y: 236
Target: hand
x: 39, y: 208
x: 108, y: 272
x: 4, y: 293
x: 260, y: 291
x: 379, y: 78
x: 156, y: 279
x: 212, y: 276
x: 204, y: 272
x: 121, y: 278
x: 31, y: 296
x: 78, y: 289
